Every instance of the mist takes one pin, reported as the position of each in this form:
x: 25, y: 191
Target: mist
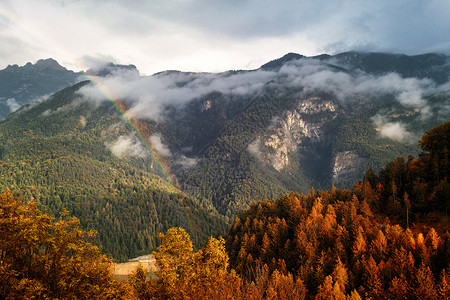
x: 12, y: 104
x: 148, y: 96
x: 396, y: 131
x: 127, y: 146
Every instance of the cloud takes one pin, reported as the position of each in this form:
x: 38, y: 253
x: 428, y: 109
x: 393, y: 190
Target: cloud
x: 215, y: 35
x: 127, y: 145
x: 394, y: 130
x: 148, y: 96
x: 254, y: 149
x: 96, y: 62
x: 314, y: 75
x: 186, y: 162
x: 12, y: 104
x: 158, y: 146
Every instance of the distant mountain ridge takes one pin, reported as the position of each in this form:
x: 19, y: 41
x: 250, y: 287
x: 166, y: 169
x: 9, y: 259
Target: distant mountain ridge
x: 21, y: 85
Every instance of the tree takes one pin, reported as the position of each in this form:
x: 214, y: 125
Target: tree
x: 172, y: 259
x: 41, y: 257
x: 425, y: 287
x: 184, y: 274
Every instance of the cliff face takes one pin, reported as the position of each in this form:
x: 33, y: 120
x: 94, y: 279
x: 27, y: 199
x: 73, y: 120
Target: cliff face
x: 346, y: 166
x: 296, y: 128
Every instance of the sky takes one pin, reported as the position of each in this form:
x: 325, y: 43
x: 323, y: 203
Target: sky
x: 214, y: 35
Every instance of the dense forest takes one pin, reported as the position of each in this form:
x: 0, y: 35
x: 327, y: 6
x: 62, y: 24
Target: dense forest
x: 372, y: 242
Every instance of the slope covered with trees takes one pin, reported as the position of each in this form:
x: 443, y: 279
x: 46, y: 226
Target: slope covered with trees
x: 59, y: 154
x: 200, y: 148
x: 338, y: 244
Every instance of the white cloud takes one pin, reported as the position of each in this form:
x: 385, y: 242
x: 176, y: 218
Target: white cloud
x: 127, y: 145
x: 12, y: 104
x: 148, y: 96
x: 254, y: 149
x: 158, y: 146
x: 186, y: 162
x: 394, y: 130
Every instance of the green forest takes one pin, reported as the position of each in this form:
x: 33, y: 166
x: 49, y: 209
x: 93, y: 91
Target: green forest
x: 57, y: 155
x: 387, y: 237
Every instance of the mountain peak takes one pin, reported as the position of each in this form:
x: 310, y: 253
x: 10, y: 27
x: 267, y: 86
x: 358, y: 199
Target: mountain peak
x: 111, y: 69
x: 277, y: 63
x: 41, y: 64
x: 49, y: 63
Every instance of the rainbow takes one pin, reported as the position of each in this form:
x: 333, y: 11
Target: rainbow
x: 161, y: 169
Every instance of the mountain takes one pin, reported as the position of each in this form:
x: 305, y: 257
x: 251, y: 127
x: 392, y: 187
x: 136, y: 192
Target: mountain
x: 21, y: 85
x: 431, y: 65
x: 135, y: 155
x: 300, y: 122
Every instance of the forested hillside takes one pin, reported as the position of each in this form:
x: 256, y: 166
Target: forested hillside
x: 338, y: 244
x: 58, y: 153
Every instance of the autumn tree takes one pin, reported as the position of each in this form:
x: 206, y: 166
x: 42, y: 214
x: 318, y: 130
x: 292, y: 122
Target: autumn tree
x: 184, y: 274
x: 41, y: 257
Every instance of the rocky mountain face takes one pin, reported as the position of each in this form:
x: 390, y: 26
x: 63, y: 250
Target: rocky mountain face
x: 294, y: 127
x: 20, y: 85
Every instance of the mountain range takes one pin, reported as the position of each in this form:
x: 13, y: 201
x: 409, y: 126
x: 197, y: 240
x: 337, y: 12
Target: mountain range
x: 134, y: 155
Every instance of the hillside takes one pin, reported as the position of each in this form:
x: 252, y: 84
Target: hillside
x: 59, y: 153
x: 338, y: 244
x: 296, y: 122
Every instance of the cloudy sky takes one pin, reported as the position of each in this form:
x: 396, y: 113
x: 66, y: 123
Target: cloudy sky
x: 214, y: 35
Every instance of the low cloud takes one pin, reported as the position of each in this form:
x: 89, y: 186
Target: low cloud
x: 254, y: 149
x: 96, y: 62
x: 127, y: 145
x: 12, y: 104
x: 158, y: 145
x: 393, y: 130
x: 313, y: 75
x: 186, y: 162
x: 147, y: 97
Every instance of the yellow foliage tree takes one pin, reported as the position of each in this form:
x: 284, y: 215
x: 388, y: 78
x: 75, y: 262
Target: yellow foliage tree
x: 44, y: 258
